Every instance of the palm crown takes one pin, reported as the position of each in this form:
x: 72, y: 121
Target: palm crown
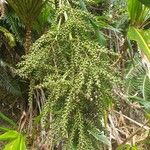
x: 28, y: 11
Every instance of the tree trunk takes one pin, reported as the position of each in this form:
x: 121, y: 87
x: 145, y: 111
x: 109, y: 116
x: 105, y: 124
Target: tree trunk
x: 28, y: 40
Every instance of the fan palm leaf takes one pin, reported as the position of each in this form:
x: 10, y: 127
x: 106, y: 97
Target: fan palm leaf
x: 28, y: 11
x: 138, y: 85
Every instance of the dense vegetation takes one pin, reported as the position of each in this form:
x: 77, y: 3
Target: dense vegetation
x: 74, y: 74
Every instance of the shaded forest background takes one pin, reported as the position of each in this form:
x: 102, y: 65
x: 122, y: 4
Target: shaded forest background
x: 74, y: 74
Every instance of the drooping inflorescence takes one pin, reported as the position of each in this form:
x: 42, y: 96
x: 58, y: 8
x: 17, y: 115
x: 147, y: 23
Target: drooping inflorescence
x: 76, y: 73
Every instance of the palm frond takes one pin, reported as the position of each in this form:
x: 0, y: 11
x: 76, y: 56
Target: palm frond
x: 138, y: 84
x: 27, y: 10
x: 14, y: 24
x: 7, y: 79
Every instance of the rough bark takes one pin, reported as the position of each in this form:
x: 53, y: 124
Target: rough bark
x: 28, y: 40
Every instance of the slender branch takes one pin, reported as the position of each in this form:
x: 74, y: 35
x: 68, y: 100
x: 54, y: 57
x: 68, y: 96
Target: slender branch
x: 134, y: 133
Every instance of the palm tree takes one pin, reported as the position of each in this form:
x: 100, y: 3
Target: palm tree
x: 28, y: 11
x: 139, y: 15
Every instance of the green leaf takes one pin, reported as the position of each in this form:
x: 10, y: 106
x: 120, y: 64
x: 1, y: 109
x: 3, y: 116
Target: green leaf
x: 10, y: 135
x: 27, y: 10
x: 145, y: 2
x: 8, y: 80
x: 100, y: 36
x: 4, y: 129
x: 82, y: 5
x: 124, y: 147
x: 142, y: 38
x: 9, y: 146
x: 16, y: 144
x: 8, y: 120
x: 19, y: 143
x: 100, y: 137
x: 10, y: 37
x: 23, y: 144
x: 44, y: 19
x: 134, y: 9
x: 138, y: 13
x: 127, y: 147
